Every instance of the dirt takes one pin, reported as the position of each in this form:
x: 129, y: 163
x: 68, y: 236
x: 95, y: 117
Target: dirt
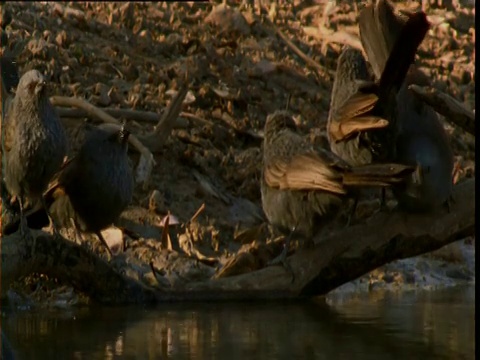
x: 136, y: 55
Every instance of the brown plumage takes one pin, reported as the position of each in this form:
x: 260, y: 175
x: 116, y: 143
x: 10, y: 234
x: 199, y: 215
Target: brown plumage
x: 302, y: 187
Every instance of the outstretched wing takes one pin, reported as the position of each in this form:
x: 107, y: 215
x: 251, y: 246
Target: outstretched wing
x: 354, y: 116
x: 304, y: 172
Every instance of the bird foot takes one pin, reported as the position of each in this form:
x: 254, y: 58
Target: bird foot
x: 26, y: 234
x: 25, y: 231
x: 54, y: 231
x: 102, y: 240
x: 282, y: 260
x: 349, y: 220
x: 382, y: 208
x: 351, y: 213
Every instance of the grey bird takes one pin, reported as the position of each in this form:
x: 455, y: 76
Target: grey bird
x: 96, y: 185
x: 420, y: 138
x: 303, y: 188
x: 34, y: 143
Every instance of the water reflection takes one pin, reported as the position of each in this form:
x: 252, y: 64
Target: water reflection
x: 427, y: 325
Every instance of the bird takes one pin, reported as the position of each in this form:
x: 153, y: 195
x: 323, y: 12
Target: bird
x: 362, y: 114
x: 303, y: 188
x: 419, y: 137
x: 34, y: 144
x: 93, y: 187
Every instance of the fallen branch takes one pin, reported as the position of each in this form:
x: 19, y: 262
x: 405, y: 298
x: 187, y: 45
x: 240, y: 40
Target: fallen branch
x: 321, y: 71
x: 164, y: 127
x: 68, y: 262
x: 352, y: 252
x: 146, y: 162
x: 135, y: 115
x: 337, y: 258
x: 99, y: 114
x: 453, y: 110
x: 312, y: 63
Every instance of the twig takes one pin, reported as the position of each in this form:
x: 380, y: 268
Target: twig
x: 165, y: 239
x: 135, y: 115
x: 444, y: 104
x: 99, y: 114
x: 321, y: 70
x: 329, y: 36
x: 197, y: 213
x: 148, y: 161
x: 196, y: 118
x: 162, y: 130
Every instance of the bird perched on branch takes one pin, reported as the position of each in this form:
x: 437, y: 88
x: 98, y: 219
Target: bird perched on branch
x: 420, y: 138
x: 33, y: 143
x: 303, y: 188
x: 95, y: 186
x: 363, y: 113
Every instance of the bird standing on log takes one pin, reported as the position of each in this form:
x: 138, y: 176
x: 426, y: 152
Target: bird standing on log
x: 95, y: 186
x: 303, y: 188
x: 33, y: 144
x: 363, y: 113
x: 420, y: 138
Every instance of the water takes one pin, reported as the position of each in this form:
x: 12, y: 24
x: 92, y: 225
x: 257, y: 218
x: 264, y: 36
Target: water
x: 416, y: 325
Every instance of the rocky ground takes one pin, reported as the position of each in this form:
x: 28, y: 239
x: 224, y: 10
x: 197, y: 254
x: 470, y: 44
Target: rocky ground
x: 136, y: 55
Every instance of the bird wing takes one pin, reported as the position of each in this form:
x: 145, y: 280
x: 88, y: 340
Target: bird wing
x: 55, y: 187
x: 354, y: 117
x: 303, y: 172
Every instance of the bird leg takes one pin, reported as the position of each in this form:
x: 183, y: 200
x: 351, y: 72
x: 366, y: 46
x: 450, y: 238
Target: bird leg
x: 52, y: 226
x: 100, y: 237
x: 352, y: 211
x: 282, y: 258
x: 383, y: 199
x: 78, y: 236
x: 383, y: 202
x: 24, y: 229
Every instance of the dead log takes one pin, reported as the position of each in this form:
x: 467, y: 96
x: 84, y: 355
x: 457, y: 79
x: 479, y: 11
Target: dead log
x: 349, y: 253
x: 70, y: 263
x: 336, y: 259
x: 444, y: 104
